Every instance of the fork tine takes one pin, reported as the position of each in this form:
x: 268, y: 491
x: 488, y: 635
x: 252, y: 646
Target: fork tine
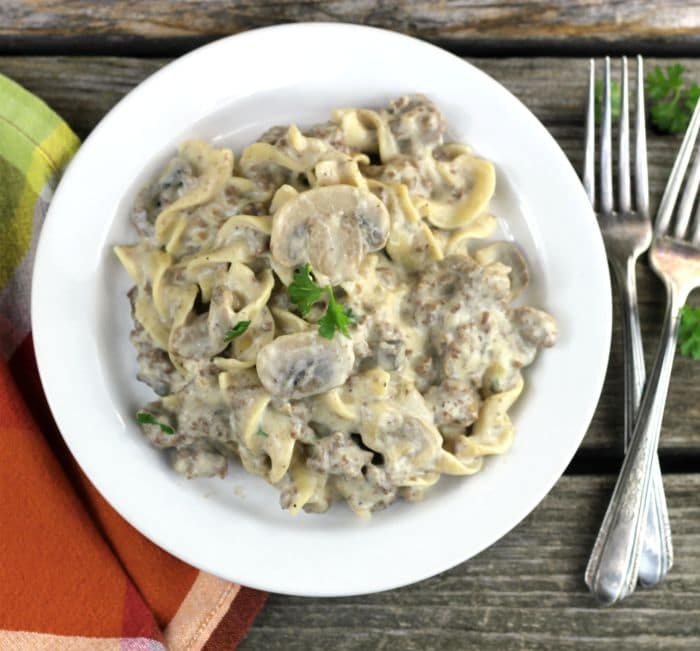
x: 695, y: 233
x: 641, y: 174
x: 675, y: 179
x: 694, y: 230
x: 623, y: 171
x: 589, y: 151
x: 685, y: 206
x: 606, y: 198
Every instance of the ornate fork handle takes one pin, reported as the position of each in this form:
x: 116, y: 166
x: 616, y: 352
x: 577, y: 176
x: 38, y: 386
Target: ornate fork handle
x: 612, y: 570
x: 657, y: 551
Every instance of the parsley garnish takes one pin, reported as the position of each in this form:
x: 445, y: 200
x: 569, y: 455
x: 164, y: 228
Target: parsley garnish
x: 236, y: 331
x: 337, y: 317
x: 615, y: 99
x: 147, y: 419
x: 262, y: 432
x: 673, y: 102
x: 689, y: 332
x: 304, y: 292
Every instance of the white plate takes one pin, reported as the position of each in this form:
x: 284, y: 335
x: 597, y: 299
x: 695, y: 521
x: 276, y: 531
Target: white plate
x: 231, y: 91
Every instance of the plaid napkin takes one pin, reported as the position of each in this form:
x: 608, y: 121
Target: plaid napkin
x: 73, y: 573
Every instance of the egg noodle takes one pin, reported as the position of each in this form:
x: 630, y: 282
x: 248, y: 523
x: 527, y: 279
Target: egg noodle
x: 408, y: 356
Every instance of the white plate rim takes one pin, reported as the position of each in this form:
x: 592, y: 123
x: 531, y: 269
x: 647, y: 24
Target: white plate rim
x: 44, y: 320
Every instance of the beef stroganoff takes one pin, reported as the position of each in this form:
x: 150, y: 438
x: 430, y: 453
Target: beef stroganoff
x: 327, y: 309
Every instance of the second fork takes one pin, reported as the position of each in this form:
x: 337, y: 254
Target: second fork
x: 675, y: 257
x: 627, y: 233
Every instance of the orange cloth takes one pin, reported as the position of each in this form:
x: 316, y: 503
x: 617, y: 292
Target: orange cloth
x: 73, y: 573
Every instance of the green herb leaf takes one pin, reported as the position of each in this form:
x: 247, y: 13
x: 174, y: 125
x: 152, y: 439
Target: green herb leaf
x: 615, y: 99
x: 669, y: 118
x: 262, y: 432
x: 660, y: 85
x: 303, y: 290
x: 148, y: 419
x: 236, y: 331
x: 689, y: 332
x: 673, y: 102
x: 692, y: 98
x: 336, y: 317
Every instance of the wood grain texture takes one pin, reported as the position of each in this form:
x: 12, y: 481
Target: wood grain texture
x: 83, y: 89
x: 527, y: 591
x: 524, y: 593
x: 101, y: 27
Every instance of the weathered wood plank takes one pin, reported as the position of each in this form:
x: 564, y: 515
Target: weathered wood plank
x: 525, y: 592
x: 160, y: 25
x: 83, y: 89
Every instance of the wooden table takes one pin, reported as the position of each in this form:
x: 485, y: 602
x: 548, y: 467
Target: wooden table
x: 527, y: 591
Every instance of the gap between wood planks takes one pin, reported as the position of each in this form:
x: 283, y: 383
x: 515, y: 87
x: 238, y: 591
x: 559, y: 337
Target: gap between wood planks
x: 146, y: 47
x: 609, y: 462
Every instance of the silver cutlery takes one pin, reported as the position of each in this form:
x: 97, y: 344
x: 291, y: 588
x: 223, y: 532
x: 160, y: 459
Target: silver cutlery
x: 627, y: 233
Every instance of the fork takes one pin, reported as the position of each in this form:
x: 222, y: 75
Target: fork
x: 627, y: 233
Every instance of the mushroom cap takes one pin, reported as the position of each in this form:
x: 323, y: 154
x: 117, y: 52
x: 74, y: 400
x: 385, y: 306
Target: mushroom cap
x: 304, y: 364
x: 332, y: 228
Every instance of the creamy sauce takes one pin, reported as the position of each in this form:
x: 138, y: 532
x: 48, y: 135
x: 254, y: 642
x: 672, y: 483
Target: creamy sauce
x: 395, y: 220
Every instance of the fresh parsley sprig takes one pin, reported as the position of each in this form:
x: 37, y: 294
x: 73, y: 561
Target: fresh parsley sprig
x: 147, y: 419
x: 236, y: 331
x: 304, y: 292
x: 673, y: 101
x: 689, y: 332
x: 337, y: 317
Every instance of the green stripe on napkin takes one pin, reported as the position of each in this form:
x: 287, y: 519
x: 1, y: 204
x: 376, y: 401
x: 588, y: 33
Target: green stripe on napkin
x: 35, y: 146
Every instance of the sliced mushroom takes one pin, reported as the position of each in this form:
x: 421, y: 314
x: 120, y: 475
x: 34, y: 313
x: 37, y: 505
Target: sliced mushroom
x: 304, y: 364
x: 335, y: 248
x: 332, y: 228
x: 508, y: 255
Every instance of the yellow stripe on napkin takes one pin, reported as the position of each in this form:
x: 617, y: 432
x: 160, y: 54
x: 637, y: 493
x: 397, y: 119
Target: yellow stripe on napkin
x: 35, y: 146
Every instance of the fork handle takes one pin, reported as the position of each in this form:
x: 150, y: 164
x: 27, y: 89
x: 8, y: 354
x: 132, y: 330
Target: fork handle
x: 657, y: 550
x: 612, y: 570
